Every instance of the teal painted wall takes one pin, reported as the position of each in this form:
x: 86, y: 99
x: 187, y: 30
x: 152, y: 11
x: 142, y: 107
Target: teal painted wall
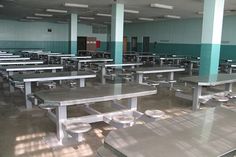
x: 182, y: 36
x: 23, y: 35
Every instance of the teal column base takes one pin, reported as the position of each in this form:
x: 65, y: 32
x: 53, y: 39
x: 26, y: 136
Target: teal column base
x: 210, y: 56
x: 73, y: 47
x: 117, y: 52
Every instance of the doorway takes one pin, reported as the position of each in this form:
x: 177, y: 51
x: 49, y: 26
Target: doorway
x: 134, y: 44
x: 82, y: 43
x: 125, y: 44
x: 146, y: 42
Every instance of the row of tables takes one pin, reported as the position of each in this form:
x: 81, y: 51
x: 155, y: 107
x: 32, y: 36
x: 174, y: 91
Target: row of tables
x: 139, y: 140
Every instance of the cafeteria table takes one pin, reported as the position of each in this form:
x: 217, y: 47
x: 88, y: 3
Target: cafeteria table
x: 28, y: 79
x: 207, y: 133
x: 63, y: 98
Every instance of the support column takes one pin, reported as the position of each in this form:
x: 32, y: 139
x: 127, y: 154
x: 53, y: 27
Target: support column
x: 211, y: 36
x: 73, y: 34
x: 117, y: 27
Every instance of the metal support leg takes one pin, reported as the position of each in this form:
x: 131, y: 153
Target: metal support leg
x: 177, y: 61
x: 230, y: 70
x: 191, y: 69
x: 138, y: 59
x: 54, y: 70
x: 228, y: 87
x: 140, y: 78
x: 61, y: 115
x: 133, y: 103
x: 171, y: 78
x: 79, y: 65
x: 161, y: 62
x: 103, y: 73
x: 82, y: 82
x: 27, y: 92
x: 11, y: 87
x: 197, y: 91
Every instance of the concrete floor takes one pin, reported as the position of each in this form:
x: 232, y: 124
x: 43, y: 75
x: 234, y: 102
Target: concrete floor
x: 22, y: 133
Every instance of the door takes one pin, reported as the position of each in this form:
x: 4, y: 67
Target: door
x: 146, y: 42
x: 124, y: 44
x: 82, y: 43
x: 134, y: 44
x: 91, y: 44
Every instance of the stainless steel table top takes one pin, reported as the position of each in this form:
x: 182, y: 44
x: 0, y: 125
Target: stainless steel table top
x: 14, y: 59
x: 172, y: 58
x: 31, y: 67
x: 60, y: 55
x: 101, y: 93
x: 6, y: 54
x: 194, y: 61
x: 150, y: 70
x: 76, y: 57
x: 230, y: 64
x: 212, y: 80
x: 12, y: 56
x: 118, y: 65
x: 148, y: 56
x: 130, y: 54
x: 95, y: 60
x: 21, y: 62
x: 39, y: 77
x: 208, y: 133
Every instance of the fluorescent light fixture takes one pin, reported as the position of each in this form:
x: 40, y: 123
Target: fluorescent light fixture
x: 43, y: 15
x: 128, y: 21
x: 162, y: 6
x: 106, y: 15
x: 172, y: 16
x: 56, y: 11
x: 107, y: 22
x: 26, y: 20
x: 131, y: 11
x: 34, y: 18
x: 1, y: 6
x: 86, y: 18
x: 146, y: 19
x: 199, y: 12
x: 76, y: 5
x: 62, y: 22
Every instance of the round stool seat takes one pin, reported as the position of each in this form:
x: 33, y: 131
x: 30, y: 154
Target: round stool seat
x: 221, y: 98
x: 20, y: 86
x: 145, y: 77
x: 109, y: 70
x: 178, y: 90
x: 159, y: 76
x: 123, y: 119
x: 127, y: 78
x: 231, y: 95
x: 125, y: 74
x: 46, y: 106
x: 77, y: 127
x: 172, y: 81
x: 154, y: 113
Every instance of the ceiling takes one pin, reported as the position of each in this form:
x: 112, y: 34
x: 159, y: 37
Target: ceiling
x: 19, y: 9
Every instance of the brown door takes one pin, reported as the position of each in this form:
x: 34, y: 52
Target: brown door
x: 134, y: 44
x: 91, y: 44
x: 146, y: 42
x: 125, y: 44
